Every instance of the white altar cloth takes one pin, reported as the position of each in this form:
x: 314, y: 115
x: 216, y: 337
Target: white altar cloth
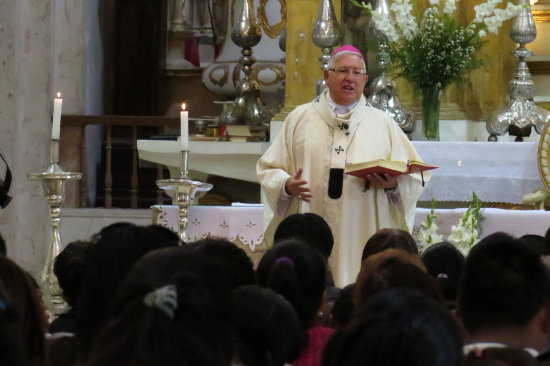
x: 513, y: 222
x: 495, y: 171
x: 236, y: 223
x: 245, y: 224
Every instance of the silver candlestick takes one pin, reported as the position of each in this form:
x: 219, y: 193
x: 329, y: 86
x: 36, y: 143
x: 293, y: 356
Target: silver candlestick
x: 247, y: 107
x: 384, y: 95
x: 53, y: 182
x: 184, y: 189
x: 521, y: 113
x: 327, y: 33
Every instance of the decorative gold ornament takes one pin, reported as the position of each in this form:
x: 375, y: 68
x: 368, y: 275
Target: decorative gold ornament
x: 276, y: 29
x: 541, y: 16
x: 276, y: 68
x: 222, y: 80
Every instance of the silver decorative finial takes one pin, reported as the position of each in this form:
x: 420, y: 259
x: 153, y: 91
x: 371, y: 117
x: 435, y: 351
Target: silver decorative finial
x: 521, y: 113
x: 384, y: 95
x: 327, y: 33
x: 247, y: 107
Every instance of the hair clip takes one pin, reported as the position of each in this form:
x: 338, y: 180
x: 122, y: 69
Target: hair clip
x: 164, y: 298
x: 285, y: 260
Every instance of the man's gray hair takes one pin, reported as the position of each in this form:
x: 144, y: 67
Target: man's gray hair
x: 335, y: 57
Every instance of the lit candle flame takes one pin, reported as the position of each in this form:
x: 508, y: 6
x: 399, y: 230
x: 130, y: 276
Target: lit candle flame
x: 59, y: 94
x: 183, y: 106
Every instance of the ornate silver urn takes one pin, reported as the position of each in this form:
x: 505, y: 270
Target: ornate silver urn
x: 384, y: 93
x: 521, y: 113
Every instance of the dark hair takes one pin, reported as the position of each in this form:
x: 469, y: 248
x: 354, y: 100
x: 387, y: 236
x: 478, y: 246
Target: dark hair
x: 3, y: 249
x: 444, y: 262
x: 117, y: 248
x: 400, y: 327
x: 297, y: 272
x: 11, y: 344
x: 393, y: 268
x: 536, y: 243
x: 28, y: 320
x: 267, y: 329
x: 310, y: 228
x: 344, y: 307
x: 503, y: 283
x: 146, y: 329
x: 61, y: 350
x: 232, y: 258
x: 389, y: 238
x: 70, y: 267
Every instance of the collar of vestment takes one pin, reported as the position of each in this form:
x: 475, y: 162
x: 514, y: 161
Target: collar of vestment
x: 480, y: 346
x: 343, y: 127
x: 338, y: 109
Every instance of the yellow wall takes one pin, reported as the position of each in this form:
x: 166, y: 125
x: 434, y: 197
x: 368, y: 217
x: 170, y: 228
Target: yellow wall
x: 483, y: 94
x: 303, y: 68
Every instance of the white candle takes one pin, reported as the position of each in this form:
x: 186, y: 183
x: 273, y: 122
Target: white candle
x: 184, y: 134
x: 56, y: 125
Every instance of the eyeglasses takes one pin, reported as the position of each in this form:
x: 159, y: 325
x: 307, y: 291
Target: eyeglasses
x: 343, y: 71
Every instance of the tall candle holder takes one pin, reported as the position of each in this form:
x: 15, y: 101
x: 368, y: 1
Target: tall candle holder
x: 184, y: 189
x: 247, y: 108
x: 327, y: 33
x: 522, y: 113
x: 53, y: 182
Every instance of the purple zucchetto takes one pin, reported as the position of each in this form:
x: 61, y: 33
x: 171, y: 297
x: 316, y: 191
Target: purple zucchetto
x: 348, y: 48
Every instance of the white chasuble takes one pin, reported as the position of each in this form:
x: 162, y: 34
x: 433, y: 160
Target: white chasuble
x: 316, y: 140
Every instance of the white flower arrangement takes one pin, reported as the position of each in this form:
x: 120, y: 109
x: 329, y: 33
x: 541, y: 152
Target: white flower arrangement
x: 426, y: 235
x: 431, y: 49
x: 464, y: 234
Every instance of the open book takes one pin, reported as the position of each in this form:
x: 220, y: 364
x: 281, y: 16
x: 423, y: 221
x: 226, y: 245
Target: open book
x: 382, y: 166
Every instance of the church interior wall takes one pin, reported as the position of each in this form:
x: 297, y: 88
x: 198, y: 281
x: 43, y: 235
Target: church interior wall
x: 57, y: 45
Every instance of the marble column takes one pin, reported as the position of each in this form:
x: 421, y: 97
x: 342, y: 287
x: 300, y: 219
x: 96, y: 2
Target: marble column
x: 41, y: 51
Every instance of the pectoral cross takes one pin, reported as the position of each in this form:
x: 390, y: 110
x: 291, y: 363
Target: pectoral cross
x: 339, y: 150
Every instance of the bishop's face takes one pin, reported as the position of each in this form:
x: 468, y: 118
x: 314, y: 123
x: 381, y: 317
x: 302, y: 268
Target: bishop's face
x: 345, y: 81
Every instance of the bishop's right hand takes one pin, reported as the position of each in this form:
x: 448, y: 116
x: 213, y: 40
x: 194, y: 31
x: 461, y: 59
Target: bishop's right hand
x: 297, y: 187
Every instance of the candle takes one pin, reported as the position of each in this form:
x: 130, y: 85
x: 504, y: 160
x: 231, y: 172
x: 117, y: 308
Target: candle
x: 56, y: 125
x: 184, y: 134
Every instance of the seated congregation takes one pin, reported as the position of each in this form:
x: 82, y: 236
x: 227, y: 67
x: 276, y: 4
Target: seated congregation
x: 138, y: 298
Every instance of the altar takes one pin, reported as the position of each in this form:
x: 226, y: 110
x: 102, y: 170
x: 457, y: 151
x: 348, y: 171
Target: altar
x: 240, y: 224
x: 243, y: 224
x: 496, y: 172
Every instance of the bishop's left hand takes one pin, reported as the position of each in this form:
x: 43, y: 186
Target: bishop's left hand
x: 382, y: 180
